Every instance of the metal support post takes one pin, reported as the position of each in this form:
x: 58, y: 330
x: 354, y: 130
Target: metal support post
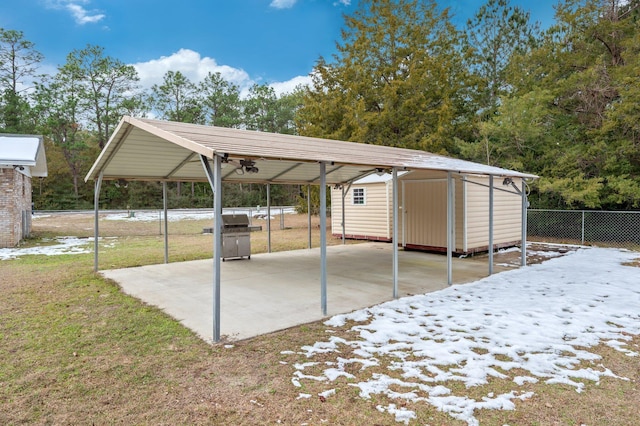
x: 450, y: 219
x: 309, y: 213
x: 343, y: 216
x: 166, y: 222
x: 323, y: 238
x: 215, y: 180
x: 96, y: 231
x: 490, y: 224
x: 268, y: 218
x: 394, y: 238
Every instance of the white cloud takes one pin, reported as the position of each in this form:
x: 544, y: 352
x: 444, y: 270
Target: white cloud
x: 196, y: 67
x: 192, y: 65
x: 79, y: 12
x: 283, y: 4
x: 82, y: 15
x: 288, y: 86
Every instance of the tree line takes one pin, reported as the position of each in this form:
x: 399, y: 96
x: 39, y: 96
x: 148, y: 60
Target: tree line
x: 562, y: 102
x: 78, y: 107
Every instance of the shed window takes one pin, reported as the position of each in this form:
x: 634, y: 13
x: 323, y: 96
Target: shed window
x: 358, y: 196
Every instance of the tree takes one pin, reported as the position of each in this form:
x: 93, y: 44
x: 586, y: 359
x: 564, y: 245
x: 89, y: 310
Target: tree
x: 288, y: 106
x: 398, y: 79
x: 495, y: 33
x: 221, y: 101
x: 260, y: 109
x: 59, y: 110
x: 18, y: 62
x: 177, y: 99
x: 264, y: 111
x: 108, y: 86
x: 579, y: 128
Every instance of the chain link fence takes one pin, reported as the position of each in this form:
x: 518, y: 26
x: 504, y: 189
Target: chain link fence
x: 599, y: 228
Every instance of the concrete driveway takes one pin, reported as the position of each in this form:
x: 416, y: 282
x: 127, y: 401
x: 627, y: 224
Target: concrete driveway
x: 275, y: 291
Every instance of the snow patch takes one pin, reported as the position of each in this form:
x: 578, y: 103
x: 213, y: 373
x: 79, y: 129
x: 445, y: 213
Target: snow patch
x: 62, y: 245
x: 541, y: 319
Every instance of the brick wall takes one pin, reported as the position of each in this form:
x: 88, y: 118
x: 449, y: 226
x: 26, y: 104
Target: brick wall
x: 15, y: 207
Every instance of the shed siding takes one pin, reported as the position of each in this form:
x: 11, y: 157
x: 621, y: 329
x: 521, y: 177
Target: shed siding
x: 425, y: 213
x: 459, y: 209
x: 507, y: 218
x: 370, y: 220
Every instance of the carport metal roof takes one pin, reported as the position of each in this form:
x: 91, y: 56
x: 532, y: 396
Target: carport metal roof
x: 154, y: 150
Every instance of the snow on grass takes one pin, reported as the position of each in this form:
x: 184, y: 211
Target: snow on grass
x: 62, y: 245
x: 327, y: 393
x: 541, y: 319
x: 178, y: 215
x: 57, y: 246
x: 402, y: 414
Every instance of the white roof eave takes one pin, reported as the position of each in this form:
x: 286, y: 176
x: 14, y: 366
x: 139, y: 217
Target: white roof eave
x: 25, y: 151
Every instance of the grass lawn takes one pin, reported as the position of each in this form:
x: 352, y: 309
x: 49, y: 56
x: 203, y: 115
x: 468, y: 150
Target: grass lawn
x: 75, y: 350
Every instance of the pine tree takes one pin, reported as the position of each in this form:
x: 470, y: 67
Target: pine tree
x: 398, y: 79
x: 18, y: 64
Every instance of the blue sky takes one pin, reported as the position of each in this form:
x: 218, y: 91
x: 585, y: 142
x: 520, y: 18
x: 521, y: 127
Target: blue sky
x: 248, y: 41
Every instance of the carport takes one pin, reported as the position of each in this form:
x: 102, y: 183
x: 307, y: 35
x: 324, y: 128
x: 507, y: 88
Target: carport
x: 153, y: 150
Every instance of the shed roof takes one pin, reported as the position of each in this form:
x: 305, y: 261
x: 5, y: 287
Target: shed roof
x: 23, y: 151
x: 154, y: 150
x: 378, y: 178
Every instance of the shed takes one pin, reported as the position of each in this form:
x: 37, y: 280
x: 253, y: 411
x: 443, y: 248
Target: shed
x: 21, y: 158
x: 422, y: 198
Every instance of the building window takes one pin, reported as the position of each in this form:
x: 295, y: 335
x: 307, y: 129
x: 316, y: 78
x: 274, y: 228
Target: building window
x: 358, y: 196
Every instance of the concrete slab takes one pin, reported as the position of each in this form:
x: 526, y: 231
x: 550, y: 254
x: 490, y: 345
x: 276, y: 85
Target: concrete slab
x: 275, y: 291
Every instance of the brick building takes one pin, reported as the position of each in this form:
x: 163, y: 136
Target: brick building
x: 21, y: 158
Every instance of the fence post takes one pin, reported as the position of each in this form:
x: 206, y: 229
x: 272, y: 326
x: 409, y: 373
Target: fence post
x: 582, y: 238
x: 281, y: 218
x: 525, y: 205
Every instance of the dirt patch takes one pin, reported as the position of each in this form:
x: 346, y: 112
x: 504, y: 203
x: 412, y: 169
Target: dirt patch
x: 536, y: 253
x: 635, y: 263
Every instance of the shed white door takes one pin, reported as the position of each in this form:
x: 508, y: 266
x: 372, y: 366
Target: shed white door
x: 425, y: 210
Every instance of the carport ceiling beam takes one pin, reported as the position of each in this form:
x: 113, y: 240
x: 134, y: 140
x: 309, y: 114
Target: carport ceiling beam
x: 326, y: 173
x: 508, y: 191
x: 207, y: 170
x: 181, y: 165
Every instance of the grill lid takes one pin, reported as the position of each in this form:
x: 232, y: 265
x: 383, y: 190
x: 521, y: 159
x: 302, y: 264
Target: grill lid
x: 231, y: 221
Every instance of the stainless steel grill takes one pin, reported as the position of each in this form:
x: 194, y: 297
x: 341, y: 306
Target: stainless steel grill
x: 236, y: 240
